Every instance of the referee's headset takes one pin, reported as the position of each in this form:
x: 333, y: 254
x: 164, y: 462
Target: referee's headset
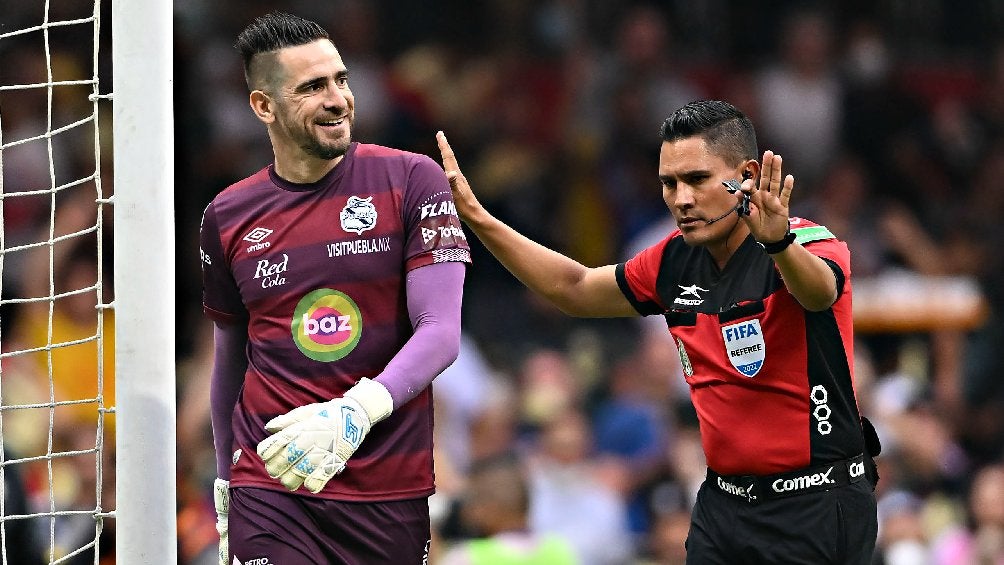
x: 743, y: 208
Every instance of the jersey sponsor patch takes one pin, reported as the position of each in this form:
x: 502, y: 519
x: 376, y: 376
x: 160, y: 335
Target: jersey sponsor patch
x: 744, y: 346
x: 442, y: 231
x: 688, y: 368
x: 326, y: 325
x: 358, y: 215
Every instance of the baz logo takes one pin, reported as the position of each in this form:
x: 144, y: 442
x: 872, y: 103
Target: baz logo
x: 358, y: 215
x: 691, y: 290
x: 326, y: 325
x: 257, y: 238
x: 744, y: 346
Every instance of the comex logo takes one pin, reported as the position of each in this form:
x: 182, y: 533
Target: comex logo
x: 257, y: 238
x: 736, y: 490
x: 689, y: 291
x: 856, y: 469
x: 803, y: 482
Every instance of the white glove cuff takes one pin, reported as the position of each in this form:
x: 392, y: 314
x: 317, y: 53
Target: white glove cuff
x: 374, y: 398
x: 221, y: 495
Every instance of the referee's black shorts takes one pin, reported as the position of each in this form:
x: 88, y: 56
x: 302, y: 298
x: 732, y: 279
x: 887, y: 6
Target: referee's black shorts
x: 836, y: 526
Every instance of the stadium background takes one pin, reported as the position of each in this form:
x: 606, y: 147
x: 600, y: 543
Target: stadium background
x: 890, y: 114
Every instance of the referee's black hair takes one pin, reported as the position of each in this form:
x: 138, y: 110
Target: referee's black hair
x: 272, y: 32
x: 726, y: 130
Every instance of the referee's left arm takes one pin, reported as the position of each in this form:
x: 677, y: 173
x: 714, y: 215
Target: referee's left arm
x: 807, y: 277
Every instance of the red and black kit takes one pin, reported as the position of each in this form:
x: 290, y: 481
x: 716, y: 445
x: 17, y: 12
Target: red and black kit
x: 772, y: 383
x: 788, y: 480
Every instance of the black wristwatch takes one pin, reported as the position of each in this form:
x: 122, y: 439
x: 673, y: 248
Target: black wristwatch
x: 780, y: 245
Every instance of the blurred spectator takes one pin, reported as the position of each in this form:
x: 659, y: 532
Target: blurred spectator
x: 495, y: 508
x: 577, y: 497
x: 65, y: 331
x: 981, y: 540
x: 902, y: 539
x: 800, y: 98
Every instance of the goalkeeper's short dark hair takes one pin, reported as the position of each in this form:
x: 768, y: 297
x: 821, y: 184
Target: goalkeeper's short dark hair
x: 726, y: 130
x: 272, y: 32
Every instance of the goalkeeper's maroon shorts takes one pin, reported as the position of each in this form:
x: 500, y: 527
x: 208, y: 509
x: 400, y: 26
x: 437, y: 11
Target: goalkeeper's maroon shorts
x: 276, y: 528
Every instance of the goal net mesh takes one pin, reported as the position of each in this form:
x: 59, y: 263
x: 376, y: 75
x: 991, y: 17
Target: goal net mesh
x: 56, y: 350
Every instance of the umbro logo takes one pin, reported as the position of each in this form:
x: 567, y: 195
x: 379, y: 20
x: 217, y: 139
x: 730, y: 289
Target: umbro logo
x: 256, y: 238
x: 257, y: 235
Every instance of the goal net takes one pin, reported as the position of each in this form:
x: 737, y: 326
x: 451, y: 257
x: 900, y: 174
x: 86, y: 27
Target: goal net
x: 86, y: 403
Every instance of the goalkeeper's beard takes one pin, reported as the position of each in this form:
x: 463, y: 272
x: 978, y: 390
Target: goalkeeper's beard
x: 327, y: 151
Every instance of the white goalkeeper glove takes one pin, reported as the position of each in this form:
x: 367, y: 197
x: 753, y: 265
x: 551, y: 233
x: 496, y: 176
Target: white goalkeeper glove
x: 221, y: 495
x: 311, y: 444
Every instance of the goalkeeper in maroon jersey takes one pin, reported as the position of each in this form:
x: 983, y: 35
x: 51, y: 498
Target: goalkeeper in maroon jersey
x: 759, y: 306
x: 334, y: 278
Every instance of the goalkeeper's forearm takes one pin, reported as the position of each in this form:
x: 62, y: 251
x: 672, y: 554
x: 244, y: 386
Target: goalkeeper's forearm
x: 434, y: 298
x: 229, y: 365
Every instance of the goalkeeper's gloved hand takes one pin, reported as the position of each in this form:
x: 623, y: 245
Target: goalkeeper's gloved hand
x: 221, y: 495
x: 311, y: 444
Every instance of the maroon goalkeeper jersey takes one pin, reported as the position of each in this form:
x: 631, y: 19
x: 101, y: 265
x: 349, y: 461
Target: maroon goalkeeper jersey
x: 772, y: 383
x: 316, y: 272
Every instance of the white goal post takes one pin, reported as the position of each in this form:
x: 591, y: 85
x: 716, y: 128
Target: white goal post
x: 53, y: 365
x: 145, y: 414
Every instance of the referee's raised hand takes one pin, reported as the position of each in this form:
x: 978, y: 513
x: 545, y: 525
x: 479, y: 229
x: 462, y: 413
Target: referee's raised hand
x: 768, y: 220
x: 468, y: 207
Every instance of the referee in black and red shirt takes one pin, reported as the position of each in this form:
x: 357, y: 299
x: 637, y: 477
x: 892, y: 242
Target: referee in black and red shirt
x: 759, y: 306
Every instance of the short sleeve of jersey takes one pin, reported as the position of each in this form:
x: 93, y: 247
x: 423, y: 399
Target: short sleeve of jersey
x: 637, y: 278
x: 432, y: 228
x: 221, y: 300
x: 820, y: 242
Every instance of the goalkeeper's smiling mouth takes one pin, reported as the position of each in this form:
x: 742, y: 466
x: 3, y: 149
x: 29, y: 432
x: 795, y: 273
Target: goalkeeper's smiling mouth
x: 332, y: 122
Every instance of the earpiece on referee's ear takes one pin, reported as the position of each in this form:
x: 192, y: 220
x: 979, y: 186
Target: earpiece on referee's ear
x: 747, y: 175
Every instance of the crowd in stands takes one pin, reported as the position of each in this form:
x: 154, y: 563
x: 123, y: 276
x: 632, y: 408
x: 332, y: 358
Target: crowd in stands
x: 890, y: 115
